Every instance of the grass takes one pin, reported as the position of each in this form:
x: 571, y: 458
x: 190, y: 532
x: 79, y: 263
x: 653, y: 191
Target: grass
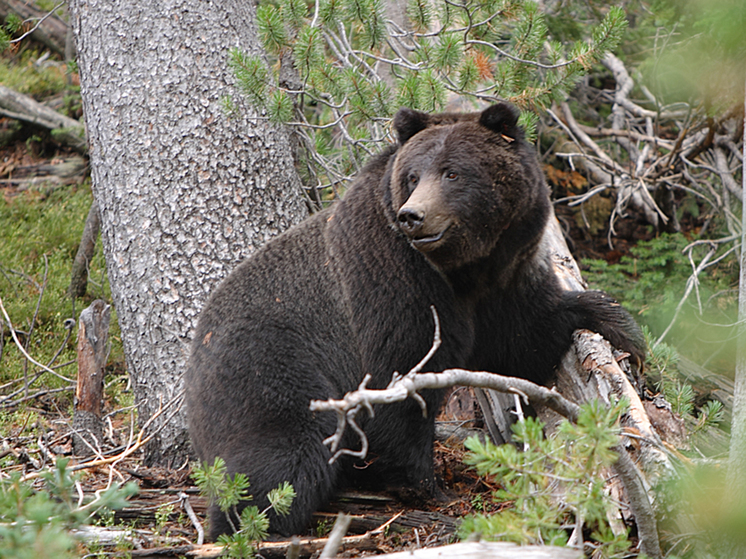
x: 40, y: 230
x: 22, y: 74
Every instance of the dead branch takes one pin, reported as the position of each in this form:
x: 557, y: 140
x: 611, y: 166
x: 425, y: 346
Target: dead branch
x: 50, y: 29
x: 721, y: 162
x: 588, y: 142
x: 402, y: 387
x: 79, y: 274
x: 184, y: 500
x: 133, y: 446
x: 68, y: 131
x: 631, y: 134
x: 624, y: 87
x: 335, y: 537
x: 38, y: 23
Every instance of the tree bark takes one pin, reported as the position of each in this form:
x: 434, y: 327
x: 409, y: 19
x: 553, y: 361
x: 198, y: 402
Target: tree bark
x: 185, y: 190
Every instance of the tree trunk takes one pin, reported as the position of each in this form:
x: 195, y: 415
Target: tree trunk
x: 185, y: 190
x: 736, y: 480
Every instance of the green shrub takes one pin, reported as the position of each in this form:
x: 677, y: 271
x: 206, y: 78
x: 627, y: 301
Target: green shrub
x: 37, y: 522
x: 556, y: 484
x: 227, y: 491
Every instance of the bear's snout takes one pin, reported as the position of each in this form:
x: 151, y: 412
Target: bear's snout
x: 425, y: 230
x: 410, y: 220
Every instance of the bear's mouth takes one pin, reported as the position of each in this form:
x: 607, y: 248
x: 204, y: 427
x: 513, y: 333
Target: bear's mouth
x: 429, y: 242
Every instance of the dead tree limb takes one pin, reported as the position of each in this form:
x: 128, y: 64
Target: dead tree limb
x: 66, y: 130
x: 51, y: 33
x: 79, y: 275
x: 335, y: 537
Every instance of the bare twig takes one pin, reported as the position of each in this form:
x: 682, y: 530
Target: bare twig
x: 38, y: 23
x: 21, y: 348
x: 33, y: 323
x: 184, y: 500
x: 132, y: 447
x: 335, y: 537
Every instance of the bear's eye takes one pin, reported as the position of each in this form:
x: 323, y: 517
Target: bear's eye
x: 451, y: 175
x: 413, y: 179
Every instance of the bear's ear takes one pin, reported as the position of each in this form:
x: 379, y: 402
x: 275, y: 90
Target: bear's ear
x: 408, y: 122
x: 501, y: 118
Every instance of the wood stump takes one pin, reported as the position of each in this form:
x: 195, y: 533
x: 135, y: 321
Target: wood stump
x: 93, y: 337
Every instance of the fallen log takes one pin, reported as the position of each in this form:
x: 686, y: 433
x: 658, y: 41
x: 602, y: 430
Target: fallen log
x: 65, y: 130
x: 311, y: 546
x: 67, y: 168
x: 23, y: 177
x: 488, y: 550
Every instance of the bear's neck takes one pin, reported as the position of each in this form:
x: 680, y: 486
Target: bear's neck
x: 510, y: 260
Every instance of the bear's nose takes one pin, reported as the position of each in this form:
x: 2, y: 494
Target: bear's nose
x: 410, y: 220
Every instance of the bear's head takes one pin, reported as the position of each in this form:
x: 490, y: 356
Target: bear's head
x: 462, y: 182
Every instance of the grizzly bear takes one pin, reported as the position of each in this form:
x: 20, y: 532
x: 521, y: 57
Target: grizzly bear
x: 450, y: 216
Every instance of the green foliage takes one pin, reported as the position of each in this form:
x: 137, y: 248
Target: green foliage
x: 251, y: 74
x: 22, y: 75
x: 37, y: 522
x: 663, y: 374
x: 651, y: 277
x: 651, y: 283
x: 702, y: 52
x: 228, y: 491
x: 162, y: 515
x: 556, y: 484
x: 353, y: 69
x: 699, y: 516
x: 13, y: 23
